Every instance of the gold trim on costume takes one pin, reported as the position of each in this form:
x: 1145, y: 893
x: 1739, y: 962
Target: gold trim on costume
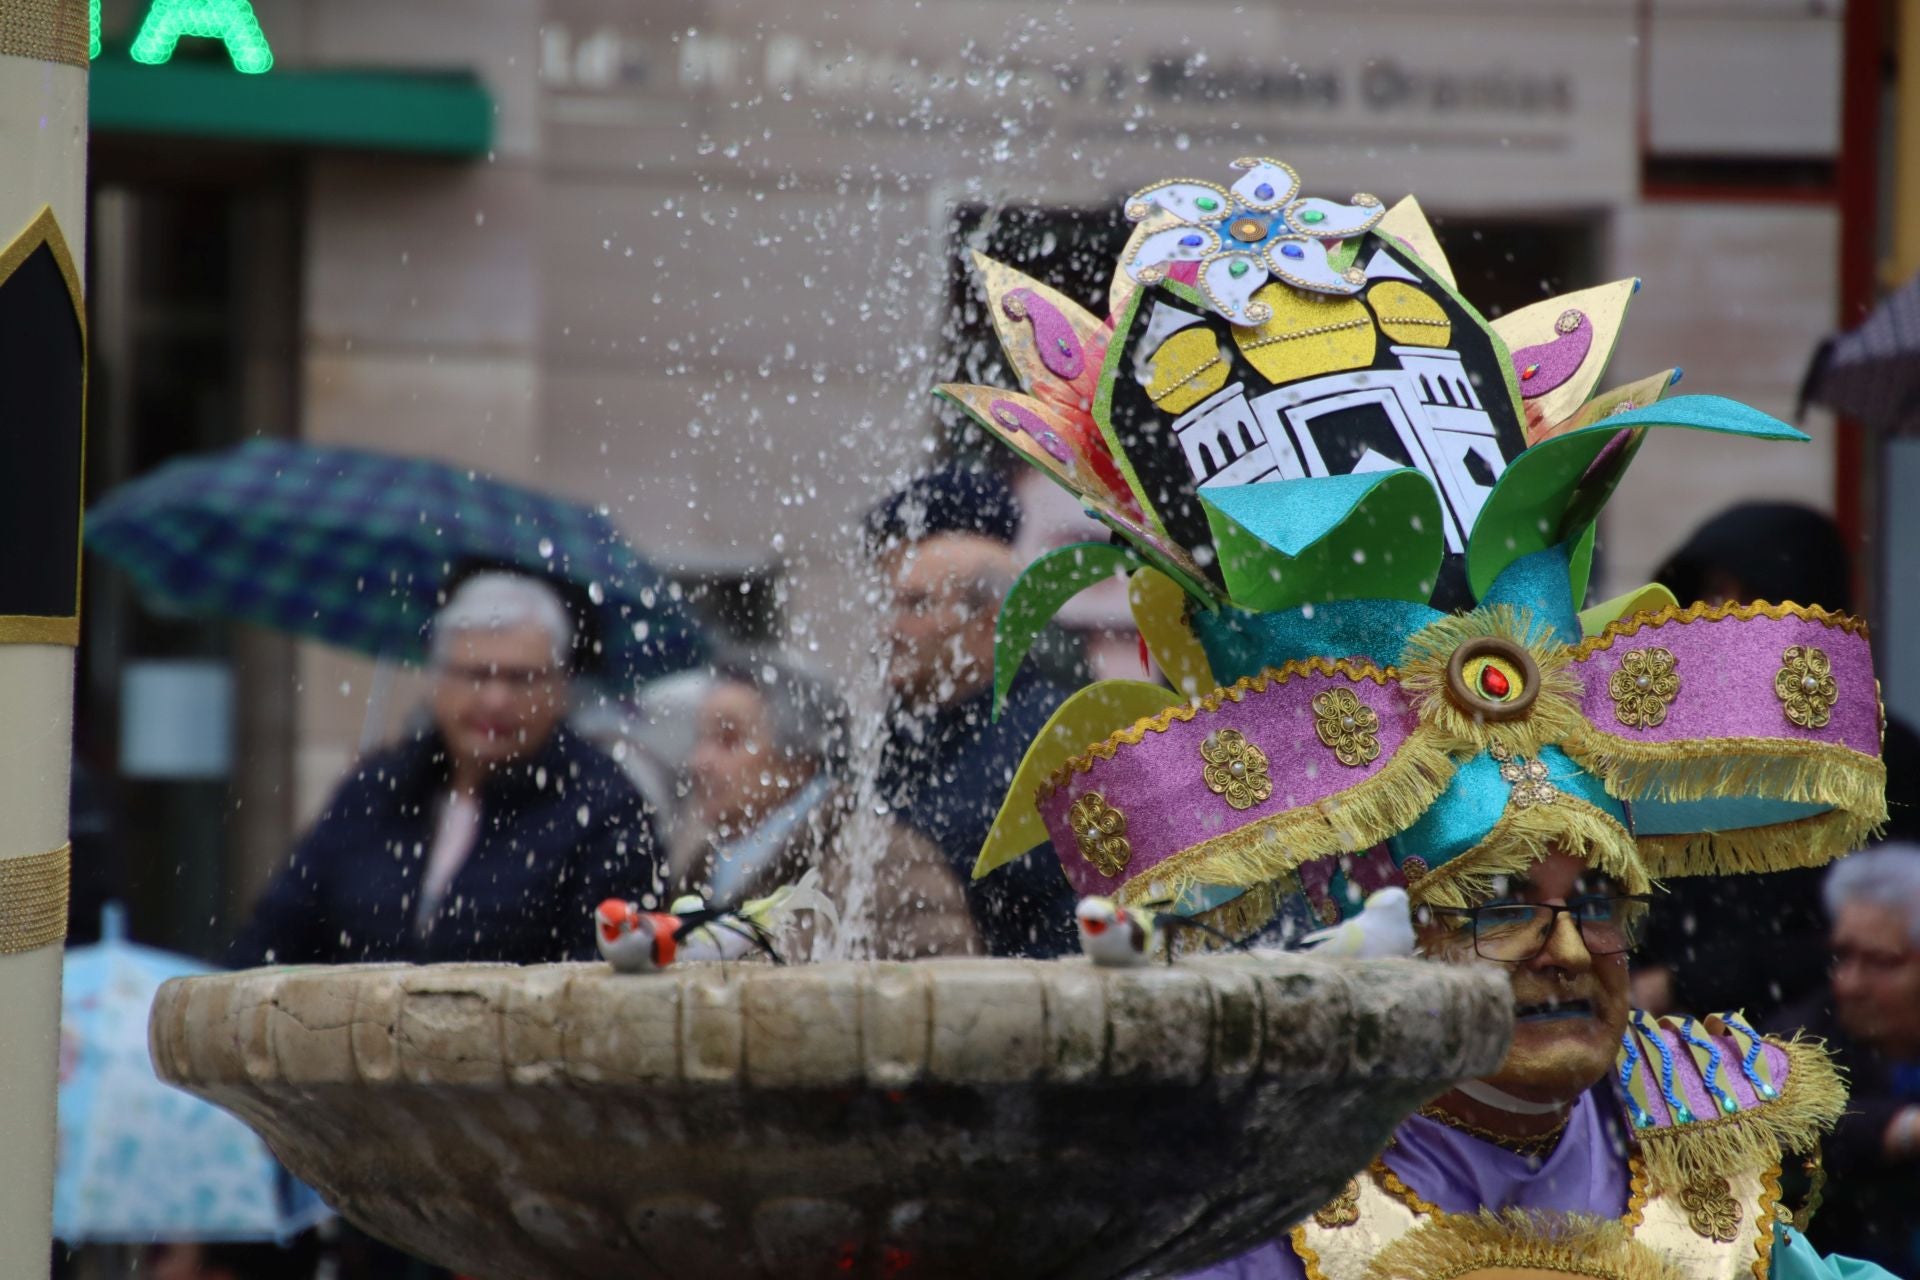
x: 1811, y: 1100
x: 46, y: 30
x: 27, y: 628
x: 1457, y: 1245
x: 1635, y: 623
x: 1209, y: 703
x: 33, y: 900
x: 1769, y: 1201
x: 1266, y: 849
x: 1636, y: 1191
x: 1423, y: 670
x: 1390, y: 1183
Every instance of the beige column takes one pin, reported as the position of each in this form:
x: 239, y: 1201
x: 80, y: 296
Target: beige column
x: 43, y: 152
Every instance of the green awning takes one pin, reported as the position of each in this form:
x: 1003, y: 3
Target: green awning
x: 423, y: 112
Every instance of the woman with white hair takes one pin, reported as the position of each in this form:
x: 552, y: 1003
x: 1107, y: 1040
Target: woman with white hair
x: 1871, y: 1020
x: 491, y: 835
x: 770, y: 799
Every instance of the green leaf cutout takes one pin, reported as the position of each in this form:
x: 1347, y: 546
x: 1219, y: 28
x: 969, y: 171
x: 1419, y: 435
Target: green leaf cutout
x: 1545, y: 496
x: 1374, y: 535
x: 1048, y: 583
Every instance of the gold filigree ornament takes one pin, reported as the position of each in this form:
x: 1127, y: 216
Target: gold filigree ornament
x: 1101, y: 831
x: 1528, y: 778
x: 1343, y: 1210
x: 1805, y: 686
x: 1235, y: 768
x: 1643, y: 687
x: 1347, y: 726
x: 1711, y: 1210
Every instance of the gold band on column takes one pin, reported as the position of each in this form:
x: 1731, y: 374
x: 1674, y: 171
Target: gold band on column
x: 46, y: 30
x: 33, y: 900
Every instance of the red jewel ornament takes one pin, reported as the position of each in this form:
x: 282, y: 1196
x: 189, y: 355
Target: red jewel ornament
x: 1526, y: 374
x: 1493, y: 683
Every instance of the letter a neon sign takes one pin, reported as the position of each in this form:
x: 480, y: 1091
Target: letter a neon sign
x: 229, y: 21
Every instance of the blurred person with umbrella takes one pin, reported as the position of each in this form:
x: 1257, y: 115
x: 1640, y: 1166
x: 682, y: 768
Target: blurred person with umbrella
x: 477, y: 838
x: 491, y: 835
x: 139, y: 1161
x: 1755, y: 942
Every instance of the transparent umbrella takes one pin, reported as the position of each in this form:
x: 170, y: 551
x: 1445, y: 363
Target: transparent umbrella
x: 139, y: 1161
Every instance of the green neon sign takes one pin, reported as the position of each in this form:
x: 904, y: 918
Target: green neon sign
x: 232, y: 22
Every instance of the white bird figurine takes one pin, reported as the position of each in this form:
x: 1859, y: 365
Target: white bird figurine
x: 1113, y: 935
x: 635, y: 940
x: 1119, y: 936
x: 1384, y: 927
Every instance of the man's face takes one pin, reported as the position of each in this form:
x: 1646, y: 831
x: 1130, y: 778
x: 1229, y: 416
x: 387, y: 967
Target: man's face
x: 945, y: 597
x: 1570, y: 1005
x: 498, y: 694
x: 1876, y: 976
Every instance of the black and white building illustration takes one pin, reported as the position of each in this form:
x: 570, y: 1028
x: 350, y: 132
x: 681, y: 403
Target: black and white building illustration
x: 1426, y: 414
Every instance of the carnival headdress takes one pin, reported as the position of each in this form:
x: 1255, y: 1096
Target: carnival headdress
x: 1298, y: 429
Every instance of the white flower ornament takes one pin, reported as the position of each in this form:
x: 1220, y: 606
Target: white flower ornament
x: 1246, y: 234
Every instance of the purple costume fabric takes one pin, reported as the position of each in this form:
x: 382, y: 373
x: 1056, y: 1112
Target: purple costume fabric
x: 1587, y: 1173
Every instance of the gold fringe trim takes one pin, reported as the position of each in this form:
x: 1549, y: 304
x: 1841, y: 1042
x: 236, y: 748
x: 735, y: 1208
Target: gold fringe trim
x: 1457, y: 1245
x: 1555, y: 715
x: 1810, y: 1102
x: 1698, y: 769
x: 1807, y: 842
x: 1207, y: 704
x: 1245, y: 915
x: 1634, y: 623
x: 1268, y: 849
x: 1525, y: 836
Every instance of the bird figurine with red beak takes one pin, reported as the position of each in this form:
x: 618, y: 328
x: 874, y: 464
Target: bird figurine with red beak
x: 1112, y: 935
x: 635, y: 940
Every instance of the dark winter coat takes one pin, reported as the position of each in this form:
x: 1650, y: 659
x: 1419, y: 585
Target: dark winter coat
x: 560, y: 831
x: 946, y: 775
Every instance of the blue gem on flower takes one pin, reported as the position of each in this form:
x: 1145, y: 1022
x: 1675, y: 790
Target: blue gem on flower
x: 1242, y: 236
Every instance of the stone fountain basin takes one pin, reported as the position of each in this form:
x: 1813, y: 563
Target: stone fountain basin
x: 945, y: 1118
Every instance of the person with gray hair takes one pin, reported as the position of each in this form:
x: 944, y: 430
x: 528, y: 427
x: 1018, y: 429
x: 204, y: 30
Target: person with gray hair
x: 491, y: 834
x: 769, y: 800
x: 1871, y: 1019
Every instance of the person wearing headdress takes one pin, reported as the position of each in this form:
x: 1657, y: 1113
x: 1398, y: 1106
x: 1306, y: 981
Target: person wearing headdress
x: 1359, y: 520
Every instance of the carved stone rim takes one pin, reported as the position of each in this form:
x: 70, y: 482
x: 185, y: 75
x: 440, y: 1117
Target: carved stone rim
x: 957, y: 1022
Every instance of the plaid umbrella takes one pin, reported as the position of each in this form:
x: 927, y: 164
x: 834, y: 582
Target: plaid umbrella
x: 355, y: 549
x: 1872, y: 373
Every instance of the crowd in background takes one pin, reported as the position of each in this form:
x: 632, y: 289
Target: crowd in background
x: 492, y: 832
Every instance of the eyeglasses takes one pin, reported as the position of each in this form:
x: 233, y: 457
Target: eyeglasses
x: 1516, y: 932
x: 1877, y: 963
x: 484, y: 673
